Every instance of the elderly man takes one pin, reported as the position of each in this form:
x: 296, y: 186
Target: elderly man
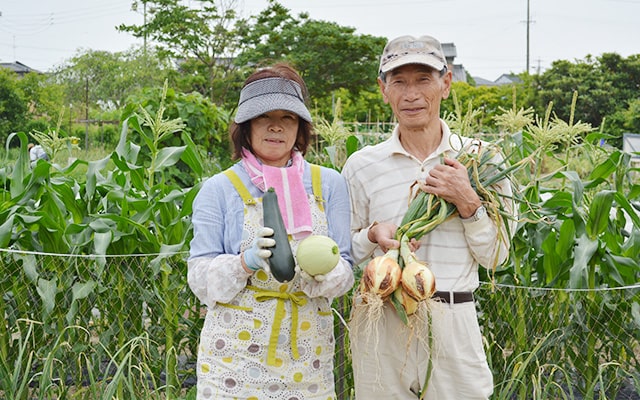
x: 392, y: 360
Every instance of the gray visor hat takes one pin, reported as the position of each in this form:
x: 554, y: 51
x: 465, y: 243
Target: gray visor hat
x: 269, y: 94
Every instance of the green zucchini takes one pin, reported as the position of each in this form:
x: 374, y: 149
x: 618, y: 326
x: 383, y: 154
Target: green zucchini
x: 281, y: 260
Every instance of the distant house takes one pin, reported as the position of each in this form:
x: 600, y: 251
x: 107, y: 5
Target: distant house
x: 483, y: 82
x: 508, y: 79
x: 450, y: 53
x: 19, y: 68
x: 631, y: 145
x: 504, y: 79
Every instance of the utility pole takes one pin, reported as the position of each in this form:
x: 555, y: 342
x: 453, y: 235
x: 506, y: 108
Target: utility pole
x: 528, y: 23
x: 144, y: 4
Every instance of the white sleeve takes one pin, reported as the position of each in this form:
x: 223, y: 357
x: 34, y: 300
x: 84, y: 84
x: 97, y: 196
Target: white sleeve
x: 337, y: 282
x: 216, y: 279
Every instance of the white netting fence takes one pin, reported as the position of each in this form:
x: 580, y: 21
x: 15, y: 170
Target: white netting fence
x: 128, y: 327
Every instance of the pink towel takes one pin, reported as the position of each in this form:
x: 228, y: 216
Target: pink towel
x: 288, y: 184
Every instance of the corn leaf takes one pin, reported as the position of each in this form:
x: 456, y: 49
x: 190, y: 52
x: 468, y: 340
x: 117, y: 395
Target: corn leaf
x: 599, y: 213
x: 584, y: 251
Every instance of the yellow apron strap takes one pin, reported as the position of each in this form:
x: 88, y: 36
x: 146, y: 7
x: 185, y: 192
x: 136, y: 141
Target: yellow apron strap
x: 240, y: 187
x: 297, y: 299
x: 316, y: 184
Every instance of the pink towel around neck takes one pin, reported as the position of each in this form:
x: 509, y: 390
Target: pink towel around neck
x: 289, y: 187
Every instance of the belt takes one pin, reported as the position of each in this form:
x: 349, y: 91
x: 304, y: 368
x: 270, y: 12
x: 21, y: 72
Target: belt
x: 454, y: 297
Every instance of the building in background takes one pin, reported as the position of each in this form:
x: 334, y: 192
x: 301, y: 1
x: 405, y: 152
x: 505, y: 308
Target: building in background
x: 450, y: 53
x: 19, y: 68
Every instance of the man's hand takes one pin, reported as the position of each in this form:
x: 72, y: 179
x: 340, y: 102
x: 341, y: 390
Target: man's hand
x: 450, y: 181
x: 383, y: 233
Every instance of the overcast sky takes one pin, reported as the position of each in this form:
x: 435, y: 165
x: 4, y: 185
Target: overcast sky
x: 490, y: 35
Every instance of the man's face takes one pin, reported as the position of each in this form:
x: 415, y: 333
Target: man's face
x: 414, y: 93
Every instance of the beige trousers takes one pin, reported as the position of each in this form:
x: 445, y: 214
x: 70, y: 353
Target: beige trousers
x: 390, y: 360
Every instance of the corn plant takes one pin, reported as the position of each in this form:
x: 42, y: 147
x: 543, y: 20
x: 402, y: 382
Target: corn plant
x: 125, y: 205
x: 578, y: 231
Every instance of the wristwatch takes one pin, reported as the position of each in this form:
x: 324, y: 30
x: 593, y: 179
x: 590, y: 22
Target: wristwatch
x: 480, y: 212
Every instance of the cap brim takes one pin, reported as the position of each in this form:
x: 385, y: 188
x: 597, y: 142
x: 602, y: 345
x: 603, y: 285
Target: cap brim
x: 270, y: 102
x: 424, y: 59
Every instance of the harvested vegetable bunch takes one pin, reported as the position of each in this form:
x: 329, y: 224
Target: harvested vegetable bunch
x: 486, y: 168
x: 417, y: 283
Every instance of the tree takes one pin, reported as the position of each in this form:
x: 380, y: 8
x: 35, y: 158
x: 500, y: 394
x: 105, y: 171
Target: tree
x: 605, y: 87
x: 104, y: 80
x: 13, y: 107
x: 45, y: 99
x: 329, y: 56
x: 200, y: 33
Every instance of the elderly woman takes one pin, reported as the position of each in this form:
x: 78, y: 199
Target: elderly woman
x: 262, y: 338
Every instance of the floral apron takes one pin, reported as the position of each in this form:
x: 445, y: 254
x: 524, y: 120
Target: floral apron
x: 271, y: 341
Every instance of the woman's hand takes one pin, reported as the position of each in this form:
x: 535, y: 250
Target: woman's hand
x: 257, y: 256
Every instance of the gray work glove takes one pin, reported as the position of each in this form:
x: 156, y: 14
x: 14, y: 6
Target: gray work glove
x: 257, y: 256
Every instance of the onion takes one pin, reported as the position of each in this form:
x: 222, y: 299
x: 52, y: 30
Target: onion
x: 418, y: 281
x: 409, y: 304
x: 382, y: 276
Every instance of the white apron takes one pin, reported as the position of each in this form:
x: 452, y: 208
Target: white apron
x: 271, y: 341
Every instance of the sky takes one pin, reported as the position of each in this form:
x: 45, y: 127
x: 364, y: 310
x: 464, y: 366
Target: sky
x: 490, y: 36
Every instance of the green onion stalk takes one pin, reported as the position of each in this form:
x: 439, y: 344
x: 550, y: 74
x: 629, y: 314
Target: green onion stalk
x: 486, y: 168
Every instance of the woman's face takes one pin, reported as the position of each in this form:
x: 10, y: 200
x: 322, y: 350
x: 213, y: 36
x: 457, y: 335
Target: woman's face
x: 273, y: 136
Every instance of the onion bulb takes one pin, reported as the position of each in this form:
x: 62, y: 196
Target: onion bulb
x: 382, y: 276
x: 418, y: 281
x: 409, y: 304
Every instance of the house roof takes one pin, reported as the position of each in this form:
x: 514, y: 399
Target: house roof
x: 508, y: 78
x: 18, y: 67
x: 504, y: 79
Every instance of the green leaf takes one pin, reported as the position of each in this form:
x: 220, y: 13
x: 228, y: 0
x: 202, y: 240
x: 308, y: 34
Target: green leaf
x: 93, y: 173
x: 47, y: 290
x: 191, y: 156
x: 578, y: 186
x: 622, y: 201
x: 29, y: 267
x: 173, y: 196
x: 21, y: 167
x: 101, y: 242
x: 5, y: 232
x: 187, y: 203
x: 599, y: 213
x: 620, y: 267
x: 559, y: 201
x: 565, y: 239
x: 584, y: 251
x: 635, y: 312
x: 399, y: 309
x: 551, y: 260
x: 352, y: 144
x: 331, y: 151
x: 603, y: 171
x: 81, y: 290
x: 168, y: 156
